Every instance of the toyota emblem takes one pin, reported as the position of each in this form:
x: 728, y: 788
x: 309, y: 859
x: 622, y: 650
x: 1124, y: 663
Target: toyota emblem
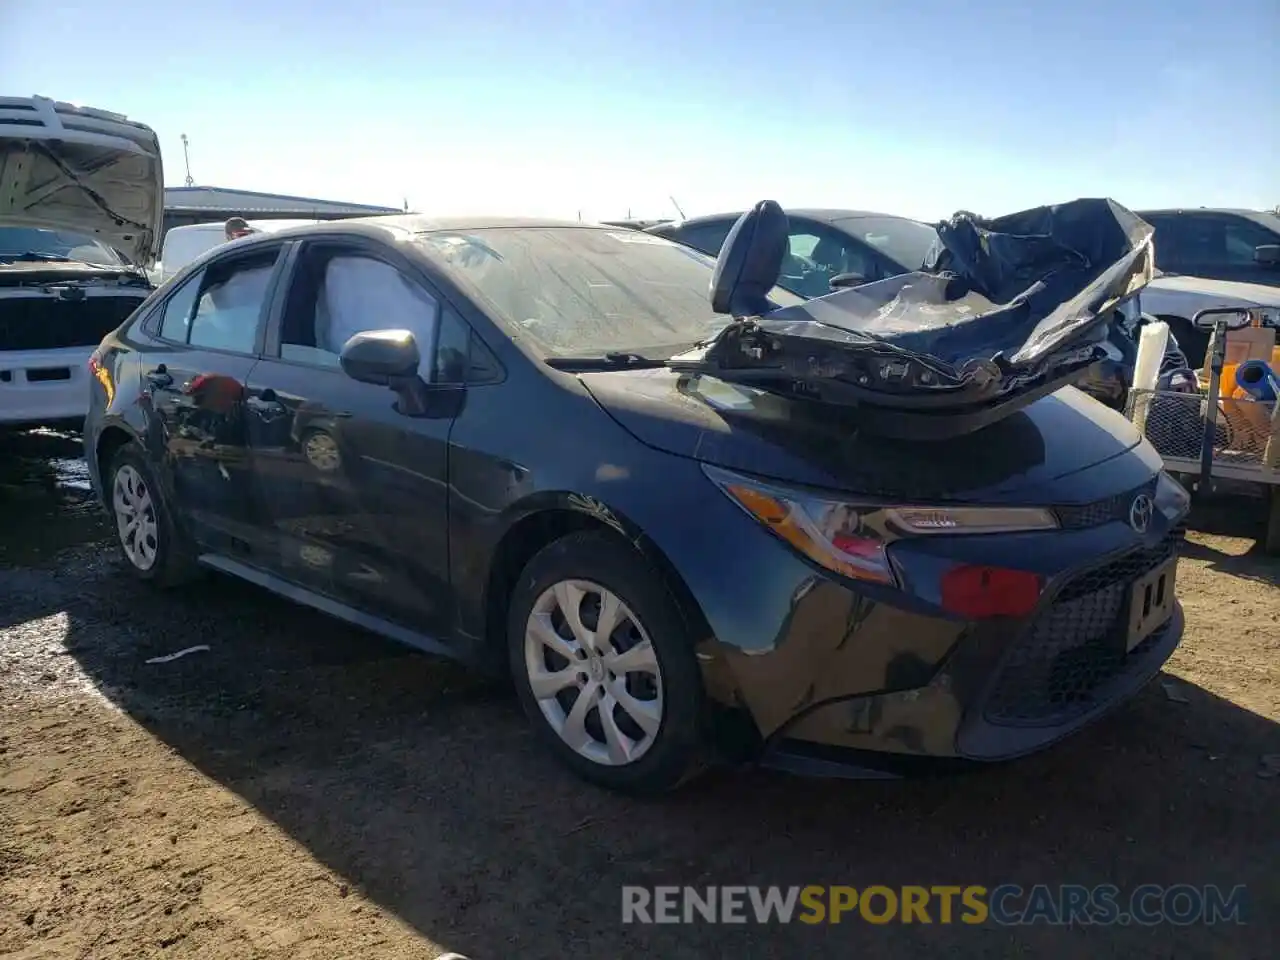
x: 1140, y: 513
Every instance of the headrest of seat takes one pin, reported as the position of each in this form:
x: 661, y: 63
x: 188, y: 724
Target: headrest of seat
x: 750, y: 262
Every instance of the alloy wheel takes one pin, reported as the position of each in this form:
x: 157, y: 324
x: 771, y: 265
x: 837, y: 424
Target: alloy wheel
x: 593, y: 672
x: 135, y: 518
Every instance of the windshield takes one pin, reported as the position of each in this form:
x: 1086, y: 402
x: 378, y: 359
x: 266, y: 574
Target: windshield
x: 34, y: 244
x: 585, y: 291
x: 905, y: 242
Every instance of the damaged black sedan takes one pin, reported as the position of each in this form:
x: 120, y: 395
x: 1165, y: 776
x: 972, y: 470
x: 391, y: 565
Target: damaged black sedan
x: 843, y: 535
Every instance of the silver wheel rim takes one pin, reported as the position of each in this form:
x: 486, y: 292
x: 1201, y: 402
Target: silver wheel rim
x: 593, y: 672
x: 321, y: 452
x: 135, y: 518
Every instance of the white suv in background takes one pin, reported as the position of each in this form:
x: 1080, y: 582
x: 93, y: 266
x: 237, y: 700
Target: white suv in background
x: 81, y: 211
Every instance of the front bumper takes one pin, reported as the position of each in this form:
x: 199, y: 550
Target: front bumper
x: 44, y: 387
x: 904, y: 690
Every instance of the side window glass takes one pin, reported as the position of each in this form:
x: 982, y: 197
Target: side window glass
x: 1194, y: 241
x: 175, y: 320
x: 1242, y: 238
x: 453, y: 353
x: 1166, y: 242
x: 461, y: 356
x: 353, y: 293
x: 707, y: 237
x: 815, y: 256
x: 231, y: 301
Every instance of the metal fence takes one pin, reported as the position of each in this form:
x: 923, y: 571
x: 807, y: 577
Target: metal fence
x: 1175, y: 424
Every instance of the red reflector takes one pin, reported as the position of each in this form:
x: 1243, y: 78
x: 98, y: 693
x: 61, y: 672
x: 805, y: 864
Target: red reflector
x: 856, y: 546
x: 982, y: 592
x: 94, y: 363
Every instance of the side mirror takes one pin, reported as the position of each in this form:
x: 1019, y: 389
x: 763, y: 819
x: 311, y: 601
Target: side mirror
x: 1235, y: 318
x: 841, y: 280
x: 381, y: 357
x: 1268, y: 254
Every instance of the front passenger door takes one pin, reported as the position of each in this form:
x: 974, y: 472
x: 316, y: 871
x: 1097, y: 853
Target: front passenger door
x: 356, y: 491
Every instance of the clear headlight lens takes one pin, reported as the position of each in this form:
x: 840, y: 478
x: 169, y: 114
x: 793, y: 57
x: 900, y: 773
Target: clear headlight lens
x: 1172, y: 498
x: 852, y: 538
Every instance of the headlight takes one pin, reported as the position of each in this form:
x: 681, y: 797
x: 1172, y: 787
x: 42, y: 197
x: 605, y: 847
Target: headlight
x: 851, y: 538
x: 1172, y: 498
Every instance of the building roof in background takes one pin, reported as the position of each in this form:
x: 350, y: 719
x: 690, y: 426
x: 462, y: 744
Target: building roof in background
x: 245, y: 202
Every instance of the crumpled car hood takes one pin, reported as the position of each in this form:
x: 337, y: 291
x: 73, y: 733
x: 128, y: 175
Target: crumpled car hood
x: 64, y: 167
x: 1005, y: 311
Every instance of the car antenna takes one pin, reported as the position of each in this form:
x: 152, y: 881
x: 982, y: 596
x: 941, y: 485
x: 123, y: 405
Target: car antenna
x: 677, y: 206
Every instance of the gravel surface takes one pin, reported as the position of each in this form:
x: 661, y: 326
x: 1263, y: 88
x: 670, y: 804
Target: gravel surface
x: 302, y: 789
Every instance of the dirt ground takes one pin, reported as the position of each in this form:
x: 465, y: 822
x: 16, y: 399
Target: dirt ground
x: 302, y: 789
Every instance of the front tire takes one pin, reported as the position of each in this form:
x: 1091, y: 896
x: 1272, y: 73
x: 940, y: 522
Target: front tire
x: 604, y: 666
x: 152, y: 547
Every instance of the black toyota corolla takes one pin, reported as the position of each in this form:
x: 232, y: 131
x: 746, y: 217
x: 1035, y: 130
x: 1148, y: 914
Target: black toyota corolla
x: 462, y: 435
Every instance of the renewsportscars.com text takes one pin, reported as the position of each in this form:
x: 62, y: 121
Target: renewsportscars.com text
x: 1005, y: 905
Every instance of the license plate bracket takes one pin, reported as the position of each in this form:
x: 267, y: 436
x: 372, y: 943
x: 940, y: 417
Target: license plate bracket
x: 1150, y: 603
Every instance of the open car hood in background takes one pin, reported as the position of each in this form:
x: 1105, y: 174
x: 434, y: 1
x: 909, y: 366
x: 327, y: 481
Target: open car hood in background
x: 1005, y: 311
x: 64, y: 167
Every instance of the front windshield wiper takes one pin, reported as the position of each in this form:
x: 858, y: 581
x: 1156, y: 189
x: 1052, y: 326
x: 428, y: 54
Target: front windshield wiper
x: 613, y: 360
x: 35, y: 256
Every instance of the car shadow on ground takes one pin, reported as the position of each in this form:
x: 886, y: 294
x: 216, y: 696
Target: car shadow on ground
x: 1242, y: 518
x: 424, y: 787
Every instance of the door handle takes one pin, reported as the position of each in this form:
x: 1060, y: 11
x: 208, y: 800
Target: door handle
x: 266, y: 404
x: 159, y: 377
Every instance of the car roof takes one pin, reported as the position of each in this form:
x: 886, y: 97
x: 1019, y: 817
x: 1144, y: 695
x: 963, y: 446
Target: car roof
x: 1166, y: 211
x: 821, y: 214
x: 402, y: 224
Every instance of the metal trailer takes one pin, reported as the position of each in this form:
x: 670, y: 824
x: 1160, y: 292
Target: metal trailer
x: 1214, y: 440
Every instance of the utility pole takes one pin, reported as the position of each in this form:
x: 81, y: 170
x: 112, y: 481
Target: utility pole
x: 186, y: 156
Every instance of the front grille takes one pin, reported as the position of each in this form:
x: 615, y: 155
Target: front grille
x: 1106, y: 510
x: 1059, y: 669
x: 49, y: 323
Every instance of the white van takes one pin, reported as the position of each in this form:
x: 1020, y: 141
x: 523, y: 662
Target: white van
x: 184, y: 244
x: 81, y: 208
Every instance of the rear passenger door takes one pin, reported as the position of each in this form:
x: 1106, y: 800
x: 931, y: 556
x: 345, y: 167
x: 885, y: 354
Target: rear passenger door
x: 200, y: 347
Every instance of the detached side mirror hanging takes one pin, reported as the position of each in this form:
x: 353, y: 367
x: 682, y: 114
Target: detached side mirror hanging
x: 750, y: 262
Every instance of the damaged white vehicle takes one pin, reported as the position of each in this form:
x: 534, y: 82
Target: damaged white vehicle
x: 81, y: 211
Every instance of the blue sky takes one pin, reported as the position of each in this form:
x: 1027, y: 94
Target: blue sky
x: 553, y: 107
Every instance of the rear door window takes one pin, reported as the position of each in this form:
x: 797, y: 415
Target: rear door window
x: 175, y: 319
x: 707, y: 237
x: 221, y: 306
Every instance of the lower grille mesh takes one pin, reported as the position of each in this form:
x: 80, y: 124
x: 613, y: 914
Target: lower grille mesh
x: 1058, y: 669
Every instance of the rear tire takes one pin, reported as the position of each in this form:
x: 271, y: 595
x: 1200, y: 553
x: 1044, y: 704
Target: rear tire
x: 153, y: 547
x: 639, y: 729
